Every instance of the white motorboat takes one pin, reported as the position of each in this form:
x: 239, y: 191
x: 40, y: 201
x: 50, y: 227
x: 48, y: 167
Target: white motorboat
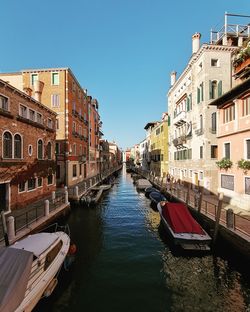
x: 182, y: 227
x: 29, y: 268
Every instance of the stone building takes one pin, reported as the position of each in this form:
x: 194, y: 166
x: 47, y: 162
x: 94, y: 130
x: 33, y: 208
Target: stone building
x: 27, y: 149
x: 193, y: 146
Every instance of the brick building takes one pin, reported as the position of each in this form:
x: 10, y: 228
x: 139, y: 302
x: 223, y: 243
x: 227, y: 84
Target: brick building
x: 27, y: 149
x: 63, y: 94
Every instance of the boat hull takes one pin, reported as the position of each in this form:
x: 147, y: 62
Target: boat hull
x: 188, y: 241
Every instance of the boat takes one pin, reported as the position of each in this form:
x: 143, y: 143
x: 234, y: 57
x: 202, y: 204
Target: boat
x: 142, y: 184
x: 29, y: 269
x: 103, y: 187
x: 156, y: 197
x: 92, y: 196
x: 182, y: 227
x: 150, y: 189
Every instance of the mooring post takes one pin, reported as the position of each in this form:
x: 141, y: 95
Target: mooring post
x: 10, y: 229
x: 217, y: 217
x: 76, y: 191
x: 53, y: 196
x: 187, y: 197
x: 46, y: 207
x: 230, y: 218
x: 5, y: 232
x: 200, y: 198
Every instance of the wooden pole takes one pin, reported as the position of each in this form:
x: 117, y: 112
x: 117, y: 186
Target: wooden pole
x: 188, y: 194
x: 217, y: 218
x: 201, y: 190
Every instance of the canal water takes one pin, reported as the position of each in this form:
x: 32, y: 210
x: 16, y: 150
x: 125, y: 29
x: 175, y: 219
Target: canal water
x: 125, y: 263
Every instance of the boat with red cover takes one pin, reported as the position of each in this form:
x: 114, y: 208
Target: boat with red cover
x: 182, y: 227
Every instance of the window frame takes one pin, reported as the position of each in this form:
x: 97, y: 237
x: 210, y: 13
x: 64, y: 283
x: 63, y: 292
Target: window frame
x: 8, y: 102
x: 52, y: 78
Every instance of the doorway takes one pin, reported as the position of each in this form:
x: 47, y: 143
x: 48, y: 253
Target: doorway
x: 3, y: 190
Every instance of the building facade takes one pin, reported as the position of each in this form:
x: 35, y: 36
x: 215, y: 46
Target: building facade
x: 63, y: 94
x: 193, y: 147
x: 27, y: 153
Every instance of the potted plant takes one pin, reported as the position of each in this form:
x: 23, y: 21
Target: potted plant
x: 244, y: 164
x: 224, y: 163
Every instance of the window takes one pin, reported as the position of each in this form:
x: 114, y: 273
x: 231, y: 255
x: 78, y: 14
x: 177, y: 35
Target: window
x: 213, y: 121
x: 51, y: 255
x: 201, y: 152
x: 55, y: 100
x: 215, y: 89
x: 39, y: 118
x: 39, y: 181
x: 21, y: 187
x: 55, y: 79
x: 201, y: 122
x: 214, y: 151
x: 229, y: 113
x: 246, y: 107
x: 32, y: 115
x: 80, y: 130
x: 74, y: 171
x: 57, y: 123
x: 34, y: 77
x: 80, y: 169
x: 247, y: 185
x: 50, y: 179
x: 227, y: 150
x: 201, y: 175
x: 200, y: 93
x: 30, y: 150
x: 7, y: 145
x: 80, y: 152
x: 4, y: 102
x: 49, y: 150
x: 189, y: 103
x: 214, y: 62
x: 58, y: 171
x: 158, y: 131
x: 31, y: 184
x: 50, y: 123
x: 227, y: 182
x: 40, y: 149
x: 74, y: 127
x: 17, y: 146
x: 248, y: 149
x: 74, y: 149
x: 23, y: 111
x: 57, y: 148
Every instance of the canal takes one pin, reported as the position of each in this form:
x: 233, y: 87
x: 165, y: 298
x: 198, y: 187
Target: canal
x: 125, y: 263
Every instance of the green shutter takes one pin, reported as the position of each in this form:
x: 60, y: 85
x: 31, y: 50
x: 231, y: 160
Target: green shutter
x: 198, y: 95
x: 202, y: 98
x: 220, y: 88
x: 210, y: 90
x: 168, y: 120
x: 188, y: 104
x: 190, y: 101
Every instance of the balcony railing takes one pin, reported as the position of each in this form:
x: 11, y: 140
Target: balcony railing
x: 179, y: 141
x: 180, y: 119
x: 199, y: 131
x: 82, y: 158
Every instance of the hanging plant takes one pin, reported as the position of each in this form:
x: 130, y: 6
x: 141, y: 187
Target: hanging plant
x: 244, y: 164
x: 224, y: 163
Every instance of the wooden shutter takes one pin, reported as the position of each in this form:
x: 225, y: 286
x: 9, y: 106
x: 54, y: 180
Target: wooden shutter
x: 220, y: 88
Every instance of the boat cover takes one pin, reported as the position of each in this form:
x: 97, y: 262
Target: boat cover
x: 157, y: 197
x: 15, y: 268
x: 180, y: 219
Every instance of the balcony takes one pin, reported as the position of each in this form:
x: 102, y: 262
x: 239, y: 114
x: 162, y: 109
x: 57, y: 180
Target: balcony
x: 199, y: 131
x: 75, y: 134
x: 178, y: 142
x: 82, y: 158
x: 180, y: 119
x: 212, y: 130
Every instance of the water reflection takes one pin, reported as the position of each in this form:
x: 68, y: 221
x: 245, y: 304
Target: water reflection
x: 125, y: 262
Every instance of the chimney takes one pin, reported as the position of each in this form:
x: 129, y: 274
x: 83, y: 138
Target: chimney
x: 28, y: 91
x: 173, y: 78
x: 38, y: 89
x: 196, y: 42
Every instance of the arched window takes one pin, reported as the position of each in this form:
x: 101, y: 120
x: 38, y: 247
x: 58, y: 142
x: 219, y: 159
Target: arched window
x: 49, y: 150
x: 7, y: 145
x: 17, y: 146
x: 40, y: 149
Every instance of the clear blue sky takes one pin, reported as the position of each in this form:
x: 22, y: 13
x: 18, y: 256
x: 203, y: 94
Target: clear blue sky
x: 122, y: 51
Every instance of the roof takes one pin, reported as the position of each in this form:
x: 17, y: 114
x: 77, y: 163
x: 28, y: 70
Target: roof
x: 235, y: 92
x: 36, y: 243
x: 150, y: 124
x: 15, y: 268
